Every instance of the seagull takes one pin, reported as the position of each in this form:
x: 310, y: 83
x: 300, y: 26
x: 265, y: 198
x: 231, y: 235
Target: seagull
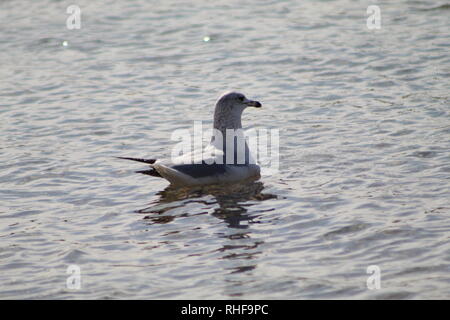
x: 219, y: 166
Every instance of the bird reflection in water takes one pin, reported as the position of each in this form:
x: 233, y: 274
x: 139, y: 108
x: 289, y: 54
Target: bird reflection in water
x: 233, y: 201
x: 229, y: 203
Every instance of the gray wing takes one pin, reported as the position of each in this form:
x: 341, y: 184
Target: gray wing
x: 201, y: 170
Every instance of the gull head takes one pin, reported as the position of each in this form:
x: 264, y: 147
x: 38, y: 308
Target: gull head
x: 229, y: 108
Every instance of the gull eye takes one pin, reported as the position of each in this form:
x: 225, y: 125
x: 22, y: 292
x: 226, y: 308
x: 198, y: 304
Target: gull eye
x: 241, y: 98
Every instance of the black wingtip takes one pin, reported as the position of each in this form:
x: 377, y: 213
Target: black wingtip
x: 149, y: 161
x: 151, y: 172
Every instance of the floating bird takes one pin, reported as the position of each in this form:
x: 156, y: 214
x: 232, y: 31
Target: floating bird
x: 220, y: 166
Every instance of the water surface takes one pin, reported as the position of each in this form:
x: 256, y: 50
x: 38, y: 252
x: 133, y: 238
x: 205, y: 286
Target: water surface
x: 364, y: 175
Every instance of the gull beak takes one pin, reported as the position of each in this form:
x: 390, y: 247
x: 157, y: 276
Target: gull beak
x: 252, y: 103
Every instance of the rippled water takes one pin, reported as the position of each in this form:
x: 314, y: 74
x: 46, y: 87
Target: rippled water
x: 364, y: 150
